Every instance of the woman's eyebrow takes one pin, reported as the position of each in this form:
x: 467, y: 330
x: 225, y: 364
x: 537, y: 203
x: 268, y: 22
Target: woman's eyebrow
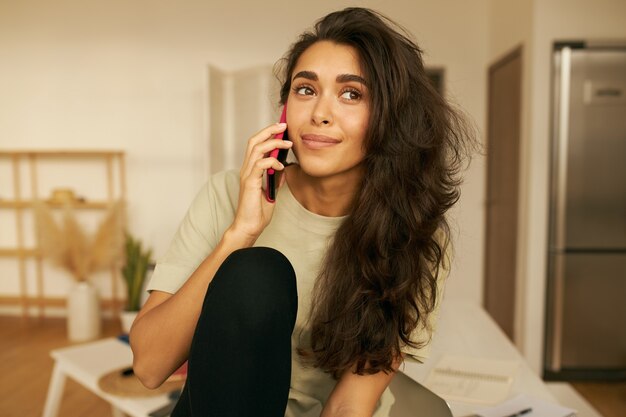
x: 345, y: 78
x: 341, y: 78
x: 309, y: 75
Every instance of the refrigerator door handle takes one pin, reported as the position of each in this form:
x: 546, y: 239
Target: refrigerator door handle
x: 557, y: 325
x: 559, y: 272
x: 563, y: 136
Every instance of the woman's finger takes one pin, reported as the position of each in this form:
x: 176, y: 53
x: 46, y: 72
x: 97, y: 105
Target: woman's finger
x: 264, y: 148
x: 261, y: 150
x: 263, y: 135
x: 260, y: 167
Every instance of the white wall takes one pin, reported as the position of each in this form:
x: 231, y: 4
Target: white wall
x: 134, y: 76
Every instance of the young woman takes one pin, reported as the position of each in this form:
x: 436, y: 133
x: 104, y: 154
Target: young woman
x: 307, y: 306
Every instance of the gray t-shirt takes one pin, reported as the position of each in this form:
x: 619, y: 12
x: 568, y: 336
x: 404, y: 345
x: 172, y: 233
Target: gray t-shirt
x: 302, y: 236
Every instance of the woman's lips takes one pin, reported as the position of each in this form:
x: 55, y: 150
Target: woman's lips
x: 318, y: 141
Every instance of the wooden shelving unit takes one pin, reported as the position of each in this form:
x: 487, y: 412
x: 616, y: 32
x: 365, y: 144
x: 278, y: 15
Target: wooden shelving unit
x: 77, y: 205
x: 113, y: 160
x: 19, y: 252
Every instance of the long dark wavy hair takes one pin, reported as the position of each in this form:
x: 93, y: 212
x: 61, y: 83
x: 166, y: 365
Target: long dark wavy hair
x: 378, y: 281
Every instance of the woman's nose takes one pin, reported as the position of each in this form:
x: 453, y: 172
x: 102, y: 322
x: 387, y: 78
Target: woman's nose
x: 322, y: 112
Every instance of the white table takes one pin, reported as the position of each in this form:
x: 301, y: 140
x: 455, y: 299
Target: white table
x: 465, y: 329
x: 462, y: 329
x: 86, y: 364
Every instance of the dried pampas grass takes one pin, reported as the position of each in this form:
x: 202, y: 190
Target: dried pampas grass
x: 69, y: 247
x: 109, y: 242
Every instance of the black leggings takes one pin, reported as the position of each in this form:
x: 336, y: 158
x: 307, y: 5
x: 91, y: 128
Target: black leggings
x: 240, y: 356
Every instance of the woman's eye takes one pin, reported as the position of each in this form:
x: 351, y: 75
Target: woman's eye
x: 304, y: 91
x: 351, y: 95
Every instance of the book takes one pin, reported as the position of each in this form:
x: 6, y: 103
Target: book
x: 473, y: 380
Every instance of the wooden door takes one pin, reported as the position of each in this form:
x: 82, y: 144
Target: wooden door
x: 503, y: 144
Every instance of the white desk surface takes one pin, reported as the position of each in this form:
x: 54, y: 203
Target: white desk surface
x: 462, y: 329
x: 465, y: 329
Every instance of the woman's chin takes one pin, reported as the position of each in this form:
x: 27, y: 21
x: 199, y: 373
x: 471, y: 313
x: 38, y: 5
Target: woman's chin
x: 315, y: 170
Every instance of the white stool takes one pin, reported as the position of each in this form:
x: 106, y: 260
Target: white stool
x: 86, y: 364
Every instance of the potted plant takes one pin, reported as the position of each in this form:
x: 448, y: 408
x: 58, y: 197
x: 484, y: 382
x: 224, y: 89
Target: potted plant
x: 135, y: 269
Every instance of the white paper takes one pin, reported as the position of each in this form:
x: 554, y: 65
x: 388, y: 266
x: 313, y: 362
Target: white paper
x: 476, y: 380
x: 539, y: 408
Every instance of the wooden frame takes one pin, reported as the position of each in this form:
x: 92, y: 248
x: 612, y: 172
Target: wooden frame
x: 19, y: 205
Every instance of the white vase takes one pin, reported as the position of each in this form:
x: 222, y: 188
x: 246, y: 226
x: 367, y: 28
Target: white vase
x: 127, y: 318
x: 83, y: 313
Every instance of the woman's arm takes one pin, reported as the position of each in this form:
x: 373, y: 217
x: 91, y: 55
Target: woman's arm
x: 161, y: 335
x: 357, y: 395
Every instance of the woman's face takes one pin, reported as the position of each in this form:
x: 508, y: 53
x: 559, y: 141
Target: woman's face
x: 328, y: 110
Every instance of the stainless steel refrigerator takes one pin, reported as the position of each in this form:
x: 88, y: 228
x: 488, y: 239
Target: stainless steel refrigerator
x: 586, y: 294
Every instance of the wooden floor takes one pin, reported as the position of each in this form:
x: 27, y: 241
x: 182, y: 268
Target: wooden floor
x: 608, y: 398
x: 25, y: 369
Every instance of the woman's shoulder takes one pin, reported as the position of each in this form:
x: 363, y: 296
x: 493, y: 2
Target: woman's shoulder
x: 228, y: 179
x: 221, y: 190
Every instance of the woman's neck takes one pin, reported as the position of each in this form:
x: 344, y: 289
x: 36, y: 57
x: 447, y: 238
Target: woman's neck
x: 328, y: 196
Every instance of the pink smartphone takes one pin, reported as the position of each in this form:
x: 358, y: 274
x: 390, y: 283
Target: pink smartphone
x: 281, y: 155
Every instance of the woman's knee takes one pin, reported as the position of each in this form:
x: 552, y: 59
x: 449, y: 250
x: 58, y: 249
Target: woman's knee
x: 259, y: 283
